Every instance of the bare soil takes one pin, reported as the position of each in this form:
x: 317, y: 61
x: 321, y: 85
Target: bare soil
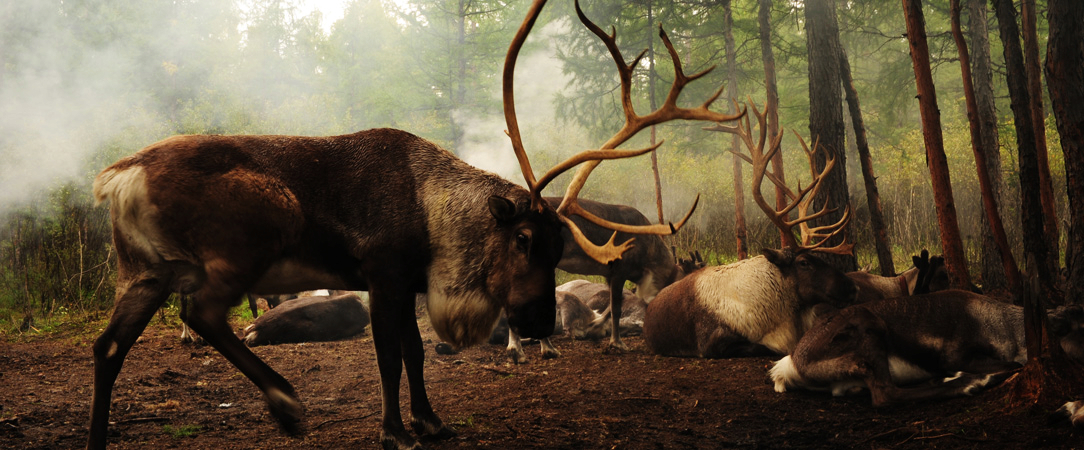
x: 171, y: 395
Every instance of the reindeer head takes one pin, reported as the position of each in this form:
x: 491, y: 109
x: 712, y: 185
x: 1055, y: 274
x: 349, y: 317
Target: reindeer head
x: 521, y: 309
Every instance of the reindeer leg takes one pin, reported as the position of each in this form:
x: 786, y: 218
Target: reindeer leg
x: 135, y: 306
x: 548, y: 350
x: 617, y: 297
x: 423, y: 420
x: 252, y: 305
x: 515, y: 348
x: 208, y: 317
x: 387, y: 321
x: 187, y: 336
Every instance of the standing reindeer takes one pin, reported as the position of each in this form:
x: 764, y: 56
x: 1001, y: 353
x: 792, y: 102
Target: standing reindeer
x: 763, y: 304
x: 648, y: 264
x: 379, y: 210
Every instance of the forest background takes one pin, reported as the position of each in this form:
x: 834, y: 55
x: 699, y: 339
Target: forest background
x: 85, y: 82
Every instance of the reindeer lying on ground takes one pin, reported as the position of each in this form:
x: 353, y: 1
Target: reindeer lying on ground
x: 960, y: 341
x: 1073, y: 412
x: 188, y: 337
x: 580, y: 306
x: 876, y: 287
x: 648, y: 264
x: 761, y: 305
x: 310, y: 319
x: 379, y: 210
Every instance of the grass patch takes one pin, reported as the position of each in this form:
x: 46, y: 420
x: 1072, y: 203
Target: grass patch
x: 183, y: 431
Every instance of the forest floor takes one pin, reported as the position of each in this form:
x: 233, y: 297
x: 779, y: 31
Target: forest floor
x: 171, y: 395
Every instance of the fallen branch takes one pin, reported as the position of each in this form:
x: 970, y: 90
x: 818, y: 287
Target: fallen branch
x: 496, y: 370
x: 142, y: 420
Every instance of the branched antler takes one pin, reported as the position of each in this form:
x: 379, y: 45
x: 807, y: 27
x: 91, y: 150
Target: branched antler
x: 588, y: 160
x: 812, y: 237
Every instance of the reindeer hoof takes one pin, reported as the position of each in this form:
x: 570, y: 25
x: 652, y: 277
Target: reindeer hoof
x: 550, y: 354
x: 286, y: 410
x: 517, y: 356
x: 615, y: 348
x: 402, y: 443
x: 443, y: 348
x: 432, y: 430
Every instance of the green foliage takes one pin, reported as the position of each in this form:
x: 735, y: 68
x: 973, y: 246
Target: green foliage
x: 91, y: 81
x: 182, y: 431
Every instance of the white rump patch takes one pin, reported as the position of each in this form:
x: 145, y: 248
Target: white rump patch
x: 134, y: 214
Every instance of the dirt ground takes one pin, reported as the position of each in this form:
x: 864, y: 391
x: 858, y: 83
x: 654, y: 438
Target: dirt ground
x: 171, y: 395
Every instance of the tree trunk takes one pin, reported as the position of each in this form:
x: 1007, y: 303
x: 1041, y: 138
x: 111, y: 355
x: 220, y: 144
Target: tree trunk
x: 740, y: 232
x: 771, y: 104
x: 1065, y: 82
x: 873, y: 196
x: 992, y: 214
x: 826, y: 117
x: 1035, y: 91
x: 654, y: 105
x: 951, y: 244
x: 1030, y: 202
x: 993, y: 271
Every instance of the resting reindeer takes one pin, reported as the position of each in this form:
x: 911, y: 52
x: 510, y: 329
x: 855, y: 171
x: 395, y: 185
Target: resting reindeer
x: 876, y: 287
x: 310, y: 319
x: 379, y: 210
x: 187, y: 336
x: 960, y: 340
x: 648, y: 264
x: 759, y: 305
x: 580, y: 307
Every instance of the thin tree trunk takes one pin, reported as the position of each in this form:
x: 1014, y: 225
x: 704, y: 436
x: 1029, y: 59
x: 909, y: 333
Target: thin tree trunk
x: 654, y: 106
x: 873, y: 196
x: 993, y: 272
x: 1030, y: 201
x: 1035, y: 91
x: 771, y: 92
x: 1065, y: 82
x: 951, y: 243
x: 992, y: 214
x: 740, y: 231
x: 826, y: 116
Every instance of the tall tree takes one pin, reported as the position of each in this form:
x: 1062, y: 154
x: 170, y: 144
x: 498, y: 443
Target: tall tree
x: 1030, y: 202
x: 951, y: 243
x: 1065, y: 82
x: 826, y: 126
x: 453, y: 44
x: 873, y: 196
x: 993, y: 269
x: 1035, y: 92
x: 989, y: 205
x: 771, y: 93
x: 740, y: 232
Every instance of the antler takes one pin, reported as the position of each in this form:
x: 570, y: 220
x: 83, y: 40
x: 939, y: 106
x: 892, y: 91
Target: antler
x: 801, y: 200
x: 591, y: 158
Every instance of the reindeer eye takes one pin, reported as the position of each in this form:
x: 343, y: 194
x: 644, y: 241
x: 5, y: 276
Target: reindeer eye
x: 523, y: 241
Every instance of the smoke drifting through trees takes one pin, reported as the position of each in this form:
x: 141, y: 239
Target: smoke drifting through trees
x: 83, y: 82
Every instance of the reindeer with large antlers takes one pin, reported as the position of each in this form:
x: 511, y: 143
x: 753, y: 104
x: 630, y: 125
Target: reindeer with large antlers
x: 380, y: 210
x: 761, y: 305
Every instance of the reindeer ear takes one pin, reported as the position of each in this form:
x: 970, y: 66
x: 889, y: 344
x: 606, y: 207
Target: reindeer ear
x: 777, y: 257
x: 503, y: 209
